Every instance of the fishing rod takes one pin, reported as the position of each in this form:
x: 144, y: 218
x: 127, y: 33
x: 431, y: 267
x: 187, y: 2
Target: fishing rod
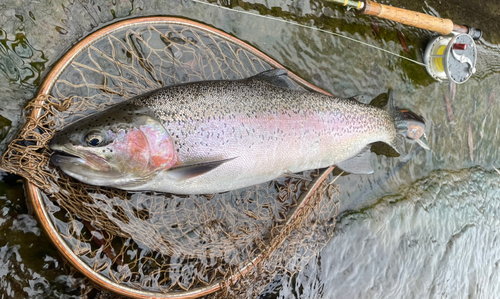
x: 451, y: 56
x: 408, y: 17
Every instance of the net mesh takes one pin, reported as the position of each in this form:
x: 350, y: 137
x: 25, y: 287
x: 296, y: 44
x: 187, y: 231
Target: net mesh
x: 162, y: 242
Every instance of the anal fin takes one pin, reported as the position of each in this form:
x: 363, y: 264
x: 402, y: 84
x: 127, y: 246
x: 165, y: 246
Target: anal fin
x: 359, y: 164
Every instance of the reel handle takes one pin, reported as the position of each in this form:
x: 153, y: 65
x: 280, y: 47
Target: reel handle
x: 408, y: 17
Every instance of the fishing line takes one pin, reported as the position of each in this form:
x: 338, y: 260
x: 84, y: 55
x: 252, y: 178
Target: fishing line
x: 309, y: 27
x: 333, y: 181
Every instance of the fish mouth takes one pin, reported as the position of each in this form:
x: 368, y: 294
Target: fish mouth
x: 65, y: 154
x: 59, y: 158
x: 91, y: 169
x: 64, y: 158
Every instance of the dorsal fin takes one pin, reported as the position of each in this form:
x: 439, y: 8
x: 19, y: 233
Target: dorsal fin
x: 276, y: 77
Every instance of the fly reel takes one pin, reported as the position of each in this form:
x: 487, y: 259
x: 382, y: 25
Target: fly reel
x: 451, y: 57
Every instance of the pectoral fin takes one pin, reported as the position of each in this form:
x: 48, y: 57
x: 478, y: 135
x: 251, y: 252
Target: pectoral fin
x: 359, y: 164
x: 185, y: 172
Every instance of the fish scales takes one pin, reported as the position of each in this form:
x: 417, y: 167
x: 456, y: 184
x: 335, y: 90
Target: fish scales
x: 269, y: 129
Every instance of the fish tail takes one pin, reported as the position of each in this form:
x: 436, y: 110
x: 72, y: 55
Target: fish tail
x: 409, y: 125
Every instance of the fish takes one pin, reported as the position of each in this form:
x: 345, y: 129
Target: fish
x: 491, y: 98
x: 453, y: 90
x: 481, y: 133
x: 449, y: 110
x: 376, y: 29
x: 402, y: 41
x: 216, y: 136
x: 470, y: 143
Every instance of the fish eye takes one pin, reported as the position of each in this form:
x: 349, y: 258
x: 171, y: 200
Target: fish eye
x: 94, y: 139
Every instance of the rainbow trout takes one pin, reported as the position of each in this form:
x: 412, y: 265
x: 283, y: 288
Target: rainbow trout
x: 215, y: 136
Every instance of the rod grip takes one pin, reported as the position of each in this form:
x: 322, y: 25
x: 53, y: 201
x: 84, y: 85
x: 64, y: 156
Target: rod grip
x: 408, y: 17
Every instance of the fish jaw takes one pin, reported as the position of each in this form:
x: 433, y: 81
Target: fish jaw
x: 94, y: 170
x: 61, y: 159
x: 64, y: 155
x: 84, y: 166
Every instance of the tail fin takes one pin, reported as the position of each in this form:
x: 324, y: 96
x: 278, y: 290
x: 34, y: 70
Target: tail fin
x: 408, y: 126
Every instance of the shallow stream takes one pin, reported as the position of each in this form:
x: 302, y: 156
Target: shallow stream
x: 422, y: 226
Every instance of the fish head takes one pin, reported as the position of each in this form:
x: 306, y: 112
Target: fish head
x: 122, y: 147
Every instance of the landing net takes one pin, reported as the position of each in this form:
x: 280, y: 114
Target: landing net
x: 155, y: 244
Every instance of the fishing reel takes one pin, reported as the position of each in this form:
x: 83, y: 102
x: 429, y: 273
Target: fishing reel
x: 452, y: 57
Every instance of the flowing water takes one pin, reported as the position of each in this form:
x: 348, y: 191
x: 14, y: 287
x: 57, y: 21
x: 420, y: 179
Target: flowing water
x: 425, y: 225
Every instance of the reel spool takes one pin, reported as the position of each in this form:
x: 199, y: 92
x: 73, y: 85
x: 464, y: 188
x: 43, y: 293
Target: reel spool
x: 452, y: 57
